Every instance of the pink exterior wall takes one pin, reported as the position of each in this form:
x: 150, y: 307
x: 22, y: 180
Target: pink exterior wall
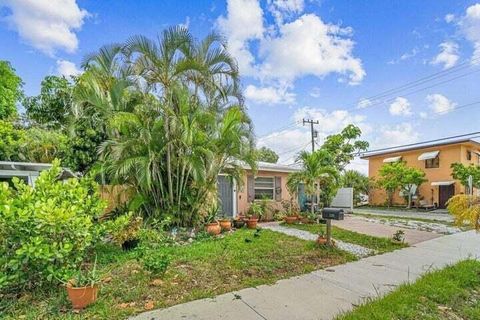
x: 242, y: 196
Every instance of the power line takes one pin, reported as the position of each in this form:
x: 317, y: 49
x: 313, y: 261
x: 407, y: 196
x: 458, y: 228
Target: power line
x: 292, y: 124
x: 313, y: 132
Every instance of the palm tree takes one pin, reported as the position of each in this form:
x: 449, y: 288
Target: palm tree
x: 174, y: 116
x: 318, y: 170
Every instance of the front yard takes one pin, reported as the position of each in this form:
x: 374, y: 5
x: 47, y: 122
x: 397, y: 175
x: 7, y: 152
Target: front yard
x: 451, y: 293
x: 381, y: 245
x: 202, y: 269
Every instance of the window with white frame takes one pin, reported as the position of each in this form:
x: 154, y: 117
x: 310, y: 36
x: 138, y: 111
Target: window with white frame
x: 265, y: 188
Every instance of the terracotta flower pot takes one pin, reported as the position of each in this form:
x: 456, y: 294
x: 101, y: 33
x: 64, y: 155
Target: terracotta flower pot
x: 290, y: 219
x: 238, y: 224
x: 252, y: 223
x: 213, y: 228
x: 226, y: 225
x: 321, y: 240
x: 82, y: 296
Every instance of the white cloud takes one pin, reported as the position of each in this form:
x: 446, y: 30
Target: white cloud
x: 67, y: 68
x: 308, y: 46
x: 243, y: 23
x: 269, y: 95
x: 440, y: 104
x: 287, y: 51
x: 449, y: 17
x: 46, y: 25
x: 316, y: 92
x: 448, y: 55
x: 470, y: 27
x: 400, y: 107
x: 364, y: 103
x: 282, y: 9
x: 423, y: 115
x: 287, y: 143
x: 390, y: 136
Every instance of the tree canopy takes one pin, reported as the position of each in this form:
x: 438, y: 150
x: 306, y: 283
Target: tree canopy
x: 462, y: 172
x: 10, y: 90
x: 360, y: 183
x: 267, y: 155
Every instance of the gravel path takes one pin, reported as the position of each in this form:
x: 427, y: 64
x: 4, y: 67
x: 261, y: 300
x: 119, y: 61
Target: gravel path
x: 355, y: 249
x: 439, y: 215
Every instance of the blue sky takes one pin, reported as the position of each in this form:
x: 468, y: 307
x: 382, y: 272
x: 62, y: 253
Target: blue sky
x: 298, y: 58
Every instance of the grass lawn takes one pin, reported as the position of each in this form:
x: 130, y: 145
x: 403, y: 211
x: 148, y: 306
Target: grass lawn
x: 381, y: 245
x: 203, y: 269
x: 451, y: 293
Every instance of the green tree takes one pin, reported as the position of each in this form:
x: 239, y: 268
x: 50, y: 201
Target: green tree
x: 10, y: 90
x: 173, y: 115
x: 345, y: 145
x: 360, y: 183
x: 462, y: 172
x: 267, y: 155
x: 41, y: 145
x: 52, y: 107
x: 318, y: 175
x: 10, y: 141
x: 397, y: 175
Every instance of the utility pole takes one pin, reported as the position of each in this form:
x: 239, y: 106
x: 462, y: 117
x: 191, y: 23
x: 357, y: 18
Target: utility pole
x: 313, y: 132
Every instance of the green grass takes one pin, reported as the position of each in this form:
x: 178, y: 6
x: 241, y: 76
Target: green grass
x: 381, y: 245
x: 203, y: 269
x: 451, y: 293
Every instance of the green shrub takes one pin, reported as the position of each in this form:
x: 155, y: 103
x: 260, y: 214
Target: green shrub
x: 156, y: 261
x: 123, y: 228
x: 45, y: 231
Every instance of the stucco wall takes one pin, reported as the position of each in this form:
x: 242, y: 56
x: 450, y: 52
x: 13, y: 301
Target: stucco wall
x: 448, y: 154
x: 242, y: 196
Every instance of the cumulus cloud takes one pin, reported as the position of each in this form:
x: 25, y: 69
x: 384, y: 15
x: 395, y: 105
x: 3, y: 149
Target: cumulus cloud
x: 449, y: 17
x: 269, y: 95
x: 438, y: 103
x: 67, y: 68
x: 470, y: 27
x: 242, y: 24
x: 286, y: 51
x: 282, y: 9
x: 46, y: 25
x: 448, y: 55
x: 287, y: 143
x: 400, y: 107
x: 364, y: 103
x: 399, y: 134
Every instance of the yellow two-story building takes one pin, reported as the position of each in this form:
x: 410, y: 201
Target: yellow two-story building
x: 435, y: 160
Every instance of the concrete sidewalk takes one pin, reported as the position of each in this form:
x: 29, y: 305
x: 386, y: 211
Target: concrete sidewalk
x: 323, y: 294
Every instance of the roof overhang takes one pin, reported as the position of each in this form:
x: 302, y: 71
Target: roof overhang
x: 392, y: 159
x: 443, y: 183
x: 428, y: 155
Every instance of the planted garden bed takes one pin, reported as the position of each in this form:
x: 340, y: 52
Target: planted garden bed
x: 202, y: 269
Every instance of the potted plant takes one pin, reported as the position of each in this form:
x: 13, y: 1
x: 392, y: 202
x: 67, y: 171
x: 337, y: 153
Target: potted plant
x: 254, y: 213
x: 322, y: 238
x: 82, y: 287
x: 211, y: 223
x: 225, y: 223
x: 398, y: 236
x: 291, y: 217
x: 239, y: 221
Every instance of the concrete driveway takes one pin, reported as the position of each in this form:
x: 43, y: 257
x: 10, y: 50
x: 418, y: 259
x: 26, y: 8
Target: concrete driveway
x: 361, y: 225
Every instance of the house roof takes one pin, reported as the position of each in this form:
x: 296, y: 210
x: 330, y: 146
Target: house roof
x: 274, y: 167
x: 33, y: 166
x: 400, y: 149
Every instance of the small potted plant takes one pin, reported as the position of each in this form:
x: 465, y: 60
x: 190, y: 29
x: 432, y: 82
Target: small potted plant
x: 291, y: 217
x: 239, y: 221
x: 225, y: 223
x: 211, y: 223
x: 253, y: 215
x: 82, y: 287
x: 322, y: 238
x: 398, y: 236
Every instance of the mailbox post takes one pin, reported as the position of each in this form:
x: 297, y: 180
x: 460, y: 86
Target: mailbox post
x: 330, y: 214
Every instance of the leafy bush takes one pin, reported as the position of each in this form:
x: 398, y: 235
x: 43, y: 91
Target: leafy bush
x: 45, y: 231
x: 156, y: 261
x: 123, y: 228
x: 465, y: 209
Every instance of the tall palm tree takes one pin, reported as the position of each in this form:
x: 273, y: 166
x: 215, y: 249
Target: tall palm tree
x: 317, y: 169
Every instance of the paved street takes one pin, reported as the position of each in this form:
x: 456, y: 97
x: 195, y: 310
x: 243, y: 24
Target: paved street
x: 323, y: 294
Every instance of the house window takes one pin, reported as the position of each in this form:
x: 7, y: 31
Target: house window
x: 469, y: 155
x: 264, y: 188
x: 432, y: 163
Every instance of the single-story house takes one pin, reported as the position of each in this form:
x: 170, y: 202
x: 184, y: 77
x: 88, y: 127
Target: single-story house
x: 28, y: 171
x: 435, y: 159
x: 269, y: 182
